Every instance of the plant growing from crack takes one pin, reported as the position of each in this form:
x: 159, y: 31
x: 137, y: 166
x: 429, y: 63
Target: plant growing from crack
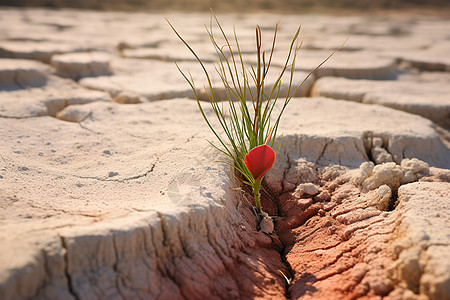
x: 249, y: 122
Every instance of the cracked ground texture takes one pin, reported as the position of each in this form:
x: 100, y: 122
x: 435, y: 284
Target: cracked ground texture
x: 110, y: 190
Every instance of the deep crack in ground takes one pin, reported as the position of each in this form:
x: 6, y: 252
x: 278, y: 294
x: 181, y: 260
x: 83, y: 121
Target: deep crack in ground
x: 327, y: 240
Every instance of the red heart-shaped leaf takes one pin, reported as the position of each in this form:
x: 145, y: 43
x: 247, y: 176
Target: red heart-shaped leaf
x: 260, y: 160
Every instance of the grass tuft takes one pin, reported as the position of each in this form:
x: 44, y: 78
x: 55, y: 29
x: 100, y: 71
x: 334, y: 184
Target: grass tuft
x: 248, y: 120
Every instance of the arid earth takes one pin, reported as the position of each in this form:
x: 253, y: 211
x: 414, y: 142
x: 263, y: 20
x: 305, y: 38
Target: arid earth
x: 109, y: 188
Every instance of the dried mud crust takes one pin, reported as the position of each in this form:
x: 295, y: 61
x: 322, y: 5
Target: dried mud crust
x: 335, y: 236
x: 336, y: 240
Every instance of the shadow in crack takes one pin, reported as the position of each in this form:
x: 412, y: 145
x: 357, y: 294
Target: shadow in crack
x: 303, y: 286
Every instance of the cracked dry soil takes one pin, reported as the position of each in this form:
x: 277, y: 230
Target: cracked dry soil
x: 333, y: 241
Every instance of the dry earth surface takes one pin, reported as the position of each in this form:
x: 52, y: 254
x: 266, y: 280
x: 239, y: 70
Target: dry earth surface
x: 110, y: 190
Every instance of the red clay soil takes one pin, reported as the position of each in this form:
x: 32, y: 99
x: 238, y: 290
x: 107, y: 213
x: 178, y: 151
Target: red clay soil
x: 334, y: 245
x: 337, y: 249
x: 259, y: 267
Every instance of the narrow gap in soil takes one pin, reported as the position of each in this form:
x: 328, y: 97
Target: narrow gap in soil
x: 393, y: 202
x: 271, y: 206
x: 66, y: 268
x: 394, y: 197
x: 291, y: 214
x: 282, y: 250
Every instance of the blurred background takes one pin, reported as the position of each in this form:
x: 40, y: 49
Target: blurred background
x: 292, y: 6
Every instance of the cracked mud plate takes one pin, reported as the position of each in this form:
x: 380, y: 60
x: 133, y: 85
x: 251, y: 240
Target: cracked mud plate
x: 94, y: 203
